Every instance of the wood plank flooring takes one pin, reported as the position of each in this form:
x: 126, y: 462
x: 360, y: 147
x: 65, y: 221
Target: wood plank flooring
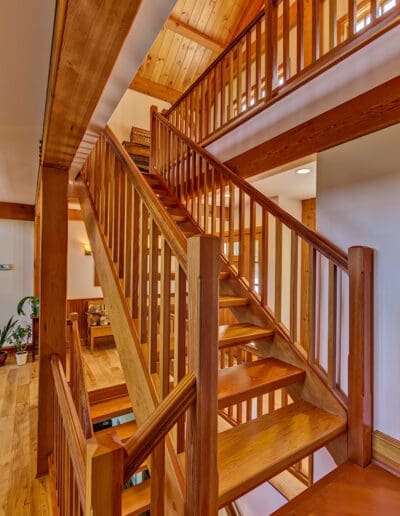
x: 20, y: 493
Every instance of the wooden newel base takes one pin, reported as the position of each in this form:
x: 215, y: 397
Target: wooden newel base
x: 360, y: 355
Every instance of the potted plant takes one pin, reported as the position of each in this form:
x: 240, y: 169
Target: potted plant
x: 19, y: 338
x: 33, y: 301
x: 5, y: 335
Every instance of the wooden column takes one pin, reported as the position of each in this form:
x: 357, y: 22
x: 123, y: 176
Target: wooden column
x: 201, y: 443
x: 360, y: 354
x: 53, y: 280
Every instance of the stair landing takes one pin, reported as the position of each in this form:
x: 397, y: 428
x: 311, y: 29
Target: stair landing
x: 349, y: 489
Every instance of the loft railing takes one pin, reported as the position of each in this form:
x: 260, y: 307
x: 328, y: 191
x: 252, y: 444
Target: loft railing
x: 288, y: 44
x: 158, y: 268
x: 267, y: 249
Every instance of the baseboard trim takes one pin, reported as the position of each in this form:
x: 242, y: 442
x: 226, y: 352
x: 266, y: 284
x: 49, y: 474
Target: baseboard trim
x: 386, y: 451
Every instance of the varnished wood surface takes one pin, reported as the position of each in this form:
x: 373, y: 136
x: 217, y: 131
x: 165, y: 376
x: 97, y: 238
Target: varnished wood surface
x: 254, y: 379
x: 110, y: 408
x: 232, y: 334
x: 136, y: 499
x: 251, y: 453
x: 16, y: 211
x: 349, y: 490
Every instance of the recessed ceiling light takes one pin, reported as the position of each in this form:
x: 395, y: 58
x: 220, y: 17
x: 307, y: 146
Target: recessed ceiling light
x: 302, y: 171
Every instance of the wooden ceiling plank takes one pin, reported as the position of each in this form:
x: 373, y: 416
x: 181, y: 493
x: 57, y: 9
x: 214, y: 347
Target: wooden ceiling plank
x: 84, y: 31
x: 194, y: 34
x: 154, y: 89
x: 17, y: 211
x: 250, y: 11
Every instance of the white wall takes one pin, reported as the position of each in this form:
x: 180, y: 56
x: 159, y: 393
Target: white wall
x: 16, y: 247
x: 80, y: 267
x: 358, y: 203
x: 133, y: 110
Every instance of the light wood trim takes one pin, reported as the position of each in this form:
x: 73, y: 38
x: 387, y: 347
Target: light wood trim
x: 16, y: 211
x: 53, y: 300
x: 386, y: 451
x: 201, y: 436
x: 360, y: 354
x: 185, y: 30
x: 154, y: 89
x: 158, y: 424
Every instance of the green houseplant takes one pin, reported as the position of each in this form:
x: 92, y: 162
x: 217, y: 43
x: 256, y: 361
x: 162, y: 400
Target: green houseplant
x: 19, y: 338
x: 5, y: 336
x: 34, y: 304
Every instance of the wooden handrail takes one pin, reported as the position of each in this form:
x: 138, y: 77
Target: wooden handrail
x: 142, y: 443
x: 174, y: 236
x: 70, y: 420
x: 320, y: 243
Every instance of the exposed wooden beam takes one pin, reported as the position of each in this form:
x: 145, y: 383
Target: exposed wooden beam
x: 87, y: 40
x: 16, y: 211
x: 159, y: 91
x: 248, y: 14
x: 187, y: 31
x: 369, y: 112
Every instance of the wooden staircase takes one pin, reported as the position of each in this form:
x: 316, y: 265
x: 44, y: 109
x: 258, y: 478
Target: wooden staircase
x: 137, y: 223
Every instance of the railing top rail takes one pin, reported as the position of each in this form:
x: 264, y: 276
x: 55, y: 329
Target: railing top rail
x: 320, y: 243
x: 156, y: 427
x: 217, y: 60
x: 168, y: 229
x: 73, y: 429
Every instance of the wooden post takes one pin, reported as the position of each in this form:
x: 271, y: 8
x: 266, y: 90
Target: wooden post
x: 53, y: 289
x: 104, y: 477
x: 201, y: 444
x: 153, y: 139
x: 360, y: 354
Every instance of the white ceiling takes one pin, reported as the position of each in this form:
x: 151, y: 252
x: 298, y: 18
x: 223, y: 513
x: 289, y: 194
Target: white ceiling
x: 288, y: 183
x: 26, y: 28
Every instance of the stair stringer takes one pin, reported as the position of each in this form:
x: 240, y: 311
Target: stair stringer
x: 140, y: 387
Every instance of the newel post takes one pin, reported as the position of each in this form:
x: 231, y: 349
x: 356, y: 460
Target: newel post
x: 360, y: 354
x: 201, y: 444
x: 104, y: 476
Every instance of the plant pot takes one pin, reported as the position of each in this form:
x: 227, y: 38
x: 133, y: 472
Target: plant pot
x: 3, y: 357
x: 21, y: 357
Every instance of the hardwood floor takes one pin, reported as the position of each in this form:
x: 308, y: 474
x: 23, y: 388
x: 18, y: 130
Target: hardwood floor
x: 20, y: 493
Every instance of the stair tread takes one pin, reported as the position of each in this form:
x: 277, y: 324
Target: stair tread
x: 124, y: 430
x: 255, y: 451
x: 223, y: 275
x: 252, y: 379
x: 231, y: 334
x: 230, y: 301
x: 110, y: 408
x: 136, y: 499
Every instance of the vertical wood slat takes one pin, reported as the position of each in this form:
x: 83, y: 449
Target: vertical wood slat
x: 300, y: 35
x: 258, y: 87
x: 242, y: 247
x: 332, y: 324
x: 285, y: 37
x: 135, y: 255
x: 248, y: 70
x: 269, y: 50
x: 316, y: 29
x: 201, y: 450
x: 165, y: 310
x: 239, y: 77
x: 143, y: 272
x: 278, y: 270
x: 128, y: 239
x: 116, y: 230
x: 360, y: 396
x: 158, y: 479
x: 294, y: 268
x: 153, y: 297
x: 122, y: 223
x: 263, y: 271
x: 311, y: 289
x: 332, y: 23
x: 252, y: 244
x: 352, y: 15
x: 231, y: 221
x: 180, y: 343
